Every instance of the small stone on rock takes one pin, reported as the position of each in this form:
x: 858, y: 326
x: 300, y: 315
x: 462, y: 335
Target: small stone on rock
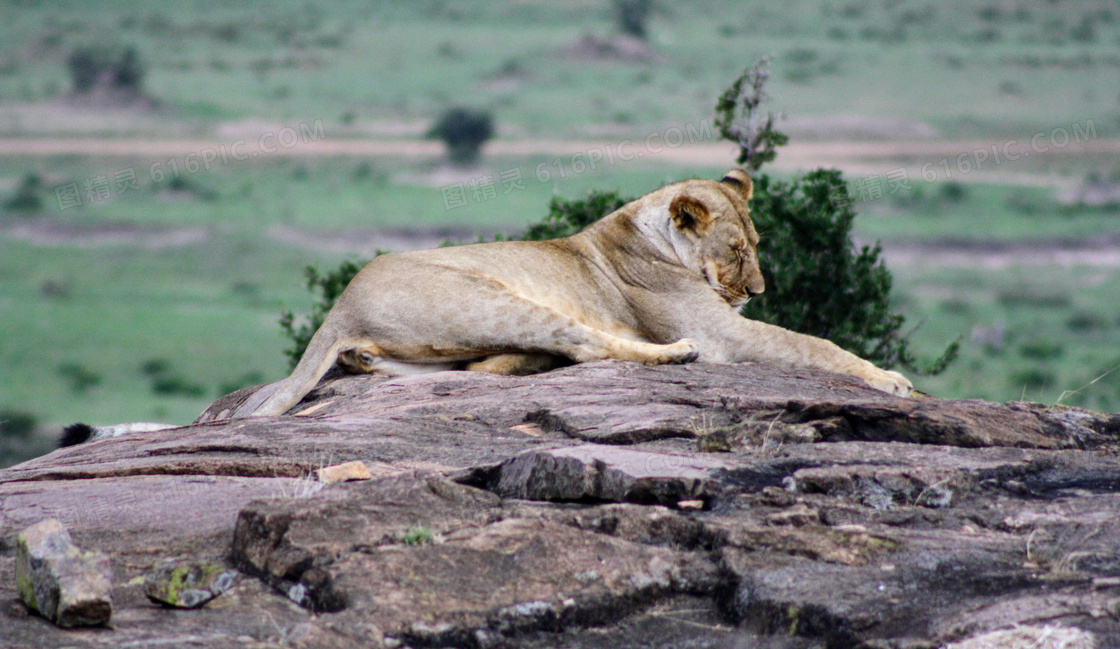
x: 59, y: 581
x: 344, y: 472
x: 187, y: 585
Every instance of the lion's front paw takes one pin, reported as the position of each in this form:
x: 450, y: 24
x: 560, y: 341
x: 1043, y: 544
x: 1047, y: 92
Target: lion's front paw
x: 888, y: 381
x: 683, y: 351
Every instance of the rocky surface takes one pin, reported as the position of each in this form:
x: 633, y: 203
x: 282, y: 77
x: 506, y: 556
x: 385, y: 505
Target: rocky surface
x: 602, y: 505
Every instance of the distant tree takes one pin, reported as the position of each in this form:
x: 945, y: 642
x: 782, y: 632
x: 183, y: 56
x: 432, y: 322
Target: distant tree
x: 15, y: 423
x: 632, y: 16
x: 28, y: 197
x: 128, y: 72
x: 86, y: 65
x: 739, y: 117
x: 464, y: 131
x: 93, y: 66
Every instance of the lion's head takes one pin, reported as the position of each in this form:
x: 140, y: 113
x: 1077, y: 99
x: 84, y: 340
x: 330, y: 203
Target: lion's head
x: 714, y: 217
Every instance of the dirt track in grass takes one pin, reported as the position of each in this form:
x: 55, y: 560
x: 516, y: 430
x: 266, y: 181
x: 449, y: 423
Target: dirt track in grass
x: 964, y: 160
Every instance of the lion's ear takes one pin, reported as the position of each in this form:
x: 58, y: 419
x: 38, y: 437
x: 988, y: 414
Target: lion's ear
x: 690, y: 216
x: 738, y: 180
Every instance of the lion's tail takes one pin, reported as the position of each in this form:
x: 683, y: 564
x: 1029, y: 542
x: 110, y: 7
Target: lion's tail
x: 320, y: 355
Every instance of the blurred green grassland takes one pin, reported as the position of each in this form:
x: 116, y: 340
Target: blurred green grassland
x: 152, y: 303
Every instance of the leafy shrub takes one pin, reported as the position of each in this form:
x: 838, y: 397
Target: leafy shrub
x: 956, y: 305
x: 81, y: 379
x: 28, y: 197
x: 1034, y: 379
x: 93, y: 67
x: 176, y: 386
x: 54, y: 289
x: 1026, y: 203
x: 183, y: 187
x: 86, y: 65
x: 632, y: 15
x: 155, y: 367
x: 464, y: 131
x: 1084, y: 321
x: 165, y: 383
x: 15, y: 423
x: 1041, y: 350
x: 418, y: 535
x: 1026, y: 297
x: 1084, y: 32
x: 953, y: 192
x: 128, y: 71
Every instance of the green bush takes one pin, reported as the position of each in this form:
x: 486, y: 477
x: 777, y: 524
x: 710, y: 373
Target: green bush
x: 81, y: 379
x: 15, y: 423
x: 1083, y: 321
x: 464, y: 131
x: 28, y: 197
x: 155, y: 367
x: 128, y: 71
x: 86, y: 65
x: 1034, y: 379
x: 632, y: 16
x: 1041, y: 350
x: 418, y: 535
x: 952, y: 192
x: 116, y: 68
x: 177, y: 386
x: 167, y: 384
x: 1025, y: 297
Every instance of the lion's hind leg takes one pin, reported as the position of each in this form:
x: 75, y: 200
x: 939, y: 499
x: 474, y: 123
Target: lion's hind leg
x: 368, y: 359
x: 517, y: 364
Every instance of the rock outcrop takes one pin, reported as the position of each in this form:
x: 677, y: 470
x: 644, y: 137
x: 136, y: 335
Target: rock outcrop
x: 602, y: 505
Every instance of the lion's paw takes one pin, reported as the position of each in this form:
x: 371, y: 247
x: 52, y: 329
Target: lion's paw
x: 683, y: 351
x: 889, y: 381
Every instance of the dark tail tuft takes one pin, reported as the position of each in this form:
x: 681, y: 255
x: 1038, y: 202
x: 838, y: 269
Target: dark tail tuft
x: 75, y: 434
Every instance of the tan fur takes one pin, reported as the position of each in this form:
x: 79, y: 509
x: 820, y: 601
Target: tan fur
x: 658, y: 281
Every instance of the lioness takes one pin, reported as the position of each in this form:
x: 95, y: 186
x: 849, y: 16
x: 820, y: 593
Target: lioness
x: 657, y: 281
